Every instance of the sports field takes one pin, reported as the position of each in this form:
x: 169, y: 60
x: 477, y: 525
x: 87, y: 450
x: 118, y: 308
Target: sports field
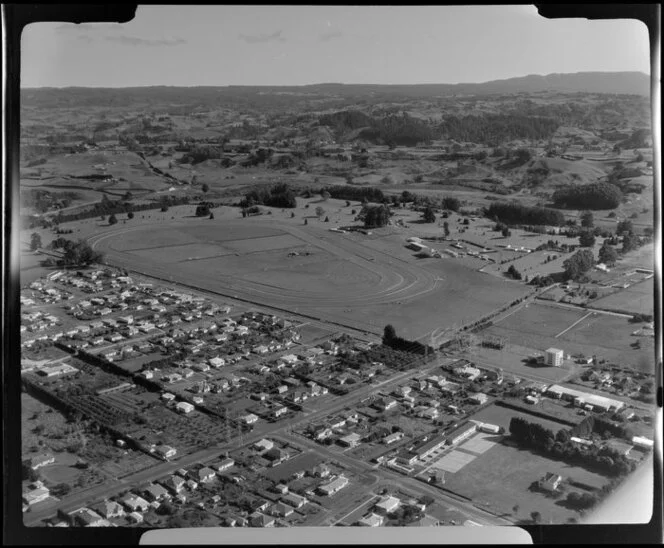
x: 500, y: 478
x: 351, y: 279
x: 637, y: 298
x: 540, y: 326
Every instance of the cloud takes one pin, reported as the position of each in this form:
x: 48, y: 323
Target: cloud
x: 262, y: 38
x: 326, y: 37
x: 136, y: 41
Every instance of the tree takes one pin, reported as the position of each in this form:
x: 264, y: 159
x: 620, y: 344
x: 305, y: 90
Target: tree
x: 292, y: 214
x: 130, y: 215
x: 205, y: 187
x: 327, y: 219
x: 112, y: 219
x: 35, y: 241
x: 203, y: 210
x: 428, y: 216
x: 536, y: 517
x: 513, y: 273
x: 625, y: 226
x: 578, y: 264
x: 516, y: 508
x: 630, y: 242
x: 306, y: 221
x: 164, y: 208
x: 211, y: 215
x: 61, y: 489
x: 506, y: 232
x: 389, y: 333
x: 325, y: 195
x: 587, y: 219
x: 446, y: 228
x: 587, y: 239
x: 320, y: 211
x: 607, y: 254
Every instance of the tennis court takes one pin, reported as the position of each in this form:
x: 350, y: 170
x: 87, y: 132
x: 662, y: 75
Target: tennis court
x: 479, y: 444
x: 454, y: 461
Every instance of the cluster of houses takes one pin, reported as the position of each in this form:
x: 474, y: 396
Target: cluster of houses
x: 386, y: 505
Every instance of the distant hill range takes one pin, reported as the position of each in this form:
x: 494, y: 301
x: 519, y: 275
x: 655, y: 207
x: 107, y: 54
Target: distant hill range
x: 633, y: 83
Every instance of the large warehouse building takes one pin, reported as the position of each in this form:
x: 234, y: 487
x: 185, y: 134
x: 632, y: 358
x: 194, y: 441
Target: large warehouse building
x: 582, y: 399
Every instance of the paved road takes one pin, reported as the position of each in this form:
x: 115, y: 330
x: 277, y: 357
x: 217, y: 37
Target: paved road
x: 265, y: 429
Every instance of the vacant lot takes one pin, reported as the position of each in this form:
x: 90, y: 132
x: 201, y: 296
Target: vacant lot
x: 500, y: 478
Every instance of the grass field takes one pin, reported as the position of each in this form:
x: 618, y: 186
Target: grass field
x: 500, y: 478
x: 637, y: 298
x: 608, y: 336
x: 360, y: 281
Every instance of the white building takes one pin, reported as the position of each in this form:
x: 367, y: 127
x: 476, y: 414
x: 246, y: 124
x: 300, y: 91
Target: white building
x: 554, y: 357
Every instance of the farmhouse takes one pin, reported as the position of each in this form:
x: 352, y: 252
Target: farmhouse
x: 134, y: 503
x: 175, y: 484
x: 87, y: 518
x: 156, y: 492
x: 550, y: 482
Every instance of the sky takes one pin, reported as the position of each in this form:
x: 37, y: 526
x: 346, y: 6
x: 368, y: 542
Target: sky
x: 223, y: 45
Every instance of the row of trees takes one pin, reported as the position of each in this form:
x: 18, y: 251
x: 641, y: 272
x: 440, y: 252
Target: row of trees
x: 391, y: 339
x: 77, y: 253
x: 349, y: 192
x: 516, y: 213
x: 591, y: 196
x: 375, y: 216
x: 280, y: 195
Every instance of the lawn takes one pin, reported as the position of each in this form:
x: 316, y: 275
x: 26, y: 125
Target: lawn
x: 502, y: 416
x: 500, y: 478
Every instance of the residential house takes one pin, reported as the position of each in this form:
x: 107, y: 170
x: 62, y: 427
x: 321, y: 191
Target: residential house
x: 205, y: 475
x: 264, y: 445
x: 295, y: 500
x: 257, y: 519
x: 40, y: 460
x: 109, y: 509
x: 173, y: 483
x: 281, y: 510
x: 320, y: 471
x: 351, y: 440
x: 550, y: 482
x: 85, y: 517
x: 387, y: 505
x: 156, y: 492
x: 371, y: 520
x: 134, y: 503
x: 225, y: 464
x: 333, y: 486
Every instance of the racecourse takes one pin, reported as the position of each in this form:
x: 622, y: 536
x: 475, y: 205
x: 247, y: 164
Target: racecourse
x: 349, y: 279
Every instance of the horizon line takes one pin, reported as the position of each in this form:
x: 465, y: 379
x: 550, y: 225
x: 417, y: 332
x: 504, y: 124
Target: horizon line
x: 343, y: 83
